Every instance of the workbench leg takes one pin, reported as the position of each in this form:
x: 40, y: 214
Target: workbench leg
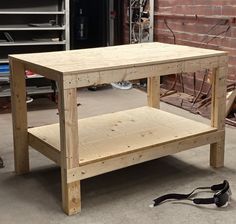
x: 218, y: 115
x: 71, y: 195
x: 19, y: 117
x: 71, y: 198
x: 153, y: 91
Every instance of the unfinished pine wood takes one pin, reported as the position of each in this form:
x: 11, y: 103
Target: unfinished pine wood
x: 99, y: 59
x: 127, y: 62
x: 113, y: 141
x: 45, y: 149
x: 133, y: 72
x: 68, y: 127
x: 142, y: 155
x: 19, y: 117
x: 109, y: 135
x: 218, y: 114
x: 69, y: 148
x: 71, y: 194
x: 153, y: 91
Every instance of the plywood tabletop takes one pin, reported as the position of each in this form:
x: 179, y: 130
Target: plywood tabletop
x: 106, y: 58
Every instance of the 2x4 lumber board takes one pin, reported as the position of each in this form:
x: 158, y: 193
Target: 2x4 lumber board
x: 153, y: 92
x: 45, y: 149
x: 74, y: 79
x: 218, y: 97
x: 37, y: 69
x: 218, y: 108
x: 71, y: 196
x: 110, y: 135
x: 143, y: 155
x: 19, y: 117
x: 68, y: 127
x: 229, y: 101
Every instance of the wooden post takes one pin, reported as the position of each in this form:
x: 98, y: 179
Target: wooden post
x: 153, y: 92
x: 218, y: 114
x: 71, y: 199
x: 19, y: 117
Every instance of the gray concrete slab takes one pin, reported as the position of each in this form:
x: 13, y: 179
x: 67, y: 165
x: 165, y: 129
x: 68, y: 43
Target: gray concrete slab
x: 120, y: 197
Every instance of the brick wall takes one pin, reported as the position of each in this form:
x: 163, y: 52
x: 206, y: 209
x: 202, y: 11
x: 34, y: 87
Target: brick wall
x: 201, y: 23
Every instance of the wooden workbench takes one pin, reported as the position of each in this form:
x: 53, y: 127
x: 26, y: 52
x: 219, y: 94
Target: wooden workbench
x: 100, y: 144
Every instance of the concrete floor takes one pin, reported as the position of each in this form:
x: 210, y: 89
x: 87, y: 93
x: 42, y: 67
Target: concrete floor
x: 118, y: 197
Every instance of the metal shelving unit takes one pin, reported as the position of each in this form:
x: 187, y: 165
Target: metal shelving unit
x: 28, y: 26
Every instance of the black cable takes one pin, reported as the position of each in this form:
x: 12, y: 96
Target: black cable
x: 166, y: 197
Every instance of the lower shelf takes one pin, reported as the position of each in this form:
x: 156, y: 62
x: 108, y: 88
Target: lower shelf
x: 115, y: 134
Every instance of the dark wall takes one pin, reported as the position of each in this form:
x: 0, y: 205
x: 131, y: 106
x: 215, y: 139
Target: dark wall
x: 92, y: 14
x: 94, y: 17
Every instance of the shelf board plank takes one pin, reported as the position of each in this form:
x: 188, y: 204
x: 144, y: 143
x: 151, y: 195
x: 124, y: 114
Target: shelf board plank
x: 4, y: 74
x: 35, y: 76
x: 32, y: 13
x: 26, y: 27
x: 116, y: 134
x: 4, y: 78
x: 4, y: 61
x: 31, y: 43
x: 30, y: 91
